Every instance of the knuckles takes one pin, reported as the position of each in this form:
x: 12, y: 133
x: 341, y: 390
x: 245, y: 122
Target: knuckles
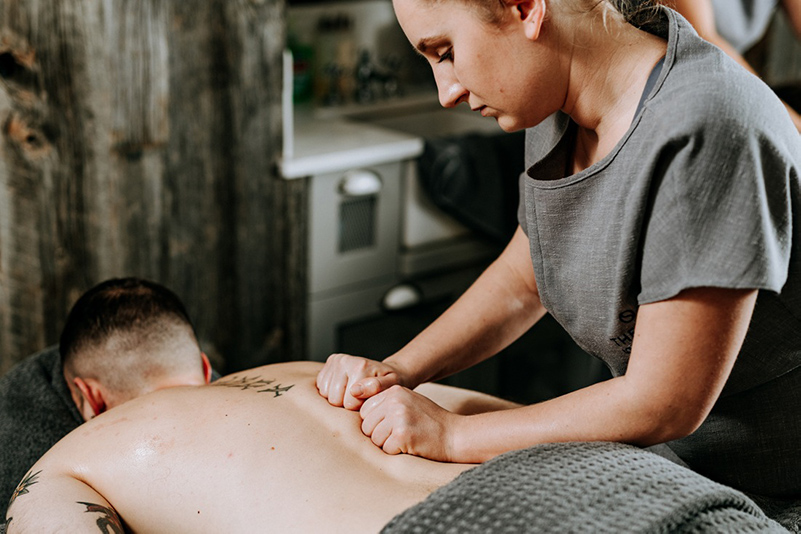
x: 349, y: 364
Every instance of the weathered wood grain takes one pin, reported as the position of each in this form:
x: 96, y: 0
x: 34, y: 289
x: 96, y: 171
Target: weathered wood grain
x: 140, y: 138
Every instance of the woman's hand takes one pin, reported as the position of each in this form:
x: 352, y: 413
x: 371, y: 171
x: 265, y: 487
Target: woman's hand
x: 348, y: 380
x: 402, y: 421
x: 506, y: 293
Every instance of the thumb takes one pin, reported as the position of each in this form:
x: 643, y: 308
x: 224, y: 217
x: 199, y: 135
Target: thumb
x: 367, y: 387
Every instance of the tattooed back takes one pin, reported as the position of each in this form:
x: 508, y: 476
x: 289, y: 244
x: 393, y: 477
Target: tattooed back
x: 259, y: 450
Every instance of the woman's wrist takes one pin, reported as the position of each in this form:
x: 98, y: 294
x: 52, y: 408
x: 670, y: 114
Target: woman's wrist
x: 465, y: 445
x: 406, y: 376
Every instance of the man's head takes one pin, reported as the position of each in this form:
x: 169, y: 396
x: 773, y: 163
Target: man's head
x: 124, y: 338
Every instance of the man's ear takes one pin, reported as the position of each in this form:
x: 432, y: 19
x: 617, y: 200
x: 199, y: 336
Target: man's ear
x: 206, y: 367
x: 531, y: 13
x: 92, y: 396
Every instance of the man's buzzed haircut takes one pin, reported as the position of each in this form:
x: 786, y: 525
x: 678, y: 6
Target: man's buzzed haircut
x: 119, y: 317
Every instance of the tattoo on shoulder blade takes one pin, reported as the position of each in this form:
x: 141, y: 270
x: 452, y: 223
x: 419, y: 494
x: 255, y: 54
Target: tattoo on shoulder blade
x: 109, y: 523
x: 257, y: 383
x: 23, y: 487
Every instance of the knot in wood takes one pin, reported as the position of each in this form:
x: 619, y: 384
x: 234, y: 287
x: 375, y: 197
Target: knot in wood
x: 31, y: 141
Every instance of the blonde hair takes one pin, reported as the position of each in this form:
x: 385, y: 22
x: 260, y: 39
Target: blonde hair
x: 636, y: 12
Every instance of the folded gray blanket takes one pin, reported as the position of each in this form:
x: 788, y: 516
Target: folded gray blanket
x: 582, y: 487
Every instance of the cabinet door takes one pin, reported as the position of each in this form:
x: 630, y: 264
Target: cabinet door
x: 354, y: 230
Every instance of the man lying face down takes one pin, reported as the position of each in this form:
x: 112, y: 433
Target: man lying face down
x: 255, y: 451
x: 122, y: 338
x: 262, y: 451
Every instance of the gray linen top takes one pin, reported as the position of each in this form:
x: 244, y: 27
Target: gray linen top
x: 702, y: 191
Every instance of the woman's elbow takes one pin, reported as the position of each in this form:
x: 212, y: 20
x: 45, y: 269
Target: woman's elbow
x: 668, y: 422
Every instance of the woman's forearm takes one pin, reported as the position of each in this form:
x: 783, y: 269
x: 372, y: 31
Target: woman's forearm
x: 499, y: 307
x: 607, y: 411
x: 683, y: 352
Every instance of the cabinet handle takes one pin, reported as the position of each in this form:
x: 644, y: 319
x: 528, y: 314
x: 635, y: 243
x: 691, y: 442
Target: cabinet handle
x: 360, y: 183
x: 402, y: 296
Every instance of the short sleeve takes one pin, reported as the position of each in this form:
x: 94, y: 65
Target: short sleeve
x: 720, y: 214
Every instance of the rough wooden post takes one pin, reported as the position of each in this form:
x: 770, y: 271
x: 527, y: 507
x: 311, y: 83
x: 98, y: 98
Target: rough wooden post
x: 139, y: 137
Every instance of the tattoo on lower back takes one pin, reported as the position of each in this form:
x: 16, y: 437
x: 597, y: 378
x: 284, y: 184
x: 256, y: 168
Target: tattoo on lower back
x: 24, y: 486
x: 109, y: 522
x: 257, y: 383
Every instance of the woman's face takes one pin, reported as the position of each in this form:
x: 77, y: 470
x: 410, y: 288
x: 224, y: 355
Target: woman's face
x: 498, y: 70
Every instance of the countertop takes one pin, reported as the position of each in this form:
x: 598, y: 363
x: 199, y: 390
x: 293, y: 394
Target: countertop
x: 321, y: 141
x: 330, y: 145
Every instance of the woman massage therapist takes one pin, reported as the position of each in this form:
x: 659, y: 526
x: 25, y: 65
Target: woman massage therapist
x: 662, y: 190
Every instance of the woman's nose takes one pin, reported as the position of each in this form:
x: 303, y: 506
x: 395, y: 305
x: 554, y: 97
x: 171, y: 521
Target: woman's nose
x: 450, y: 92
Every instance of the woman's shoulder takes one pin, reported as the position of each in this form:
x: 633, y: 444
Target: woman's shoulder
x: 712, y: 96
x: 702, y: 85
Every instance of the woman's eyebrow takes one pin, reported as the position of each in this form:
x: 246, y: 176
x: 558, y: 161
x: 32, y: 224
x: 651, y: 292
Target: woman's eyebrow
x: 426, y: 43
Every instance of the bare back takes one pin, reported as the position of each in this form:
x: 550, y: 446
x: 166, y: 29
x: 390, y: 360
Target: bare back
x: 259, y: 449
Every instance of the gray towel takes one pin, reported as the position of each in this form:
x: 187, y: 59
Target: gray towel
x: 36, y: 410
x: 582, y: 487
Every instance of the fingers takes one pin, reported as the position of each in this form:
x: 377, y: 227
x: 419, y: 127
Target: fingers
x: 372, y: 422
x: 398, y: 420
x: 347, y: 380
x: 349, y: 401
x: 371, y: 417
x: 334, y: 378
x: 368, y: 387
x: 336, y: 392
x: 382, y: 426
x: 330, y: 386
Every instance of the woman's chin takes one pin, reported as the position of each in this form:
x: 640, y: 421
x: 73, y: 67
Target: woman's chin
x: 509, y: 124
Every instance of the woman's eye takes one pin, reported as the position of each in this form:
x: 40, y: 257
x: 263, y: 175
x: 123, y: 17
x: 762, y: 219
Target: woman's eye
x: 447, y: 56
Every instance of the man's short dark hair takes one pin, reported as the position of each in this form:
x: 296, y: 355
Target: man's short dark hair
x: 119, y: 321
